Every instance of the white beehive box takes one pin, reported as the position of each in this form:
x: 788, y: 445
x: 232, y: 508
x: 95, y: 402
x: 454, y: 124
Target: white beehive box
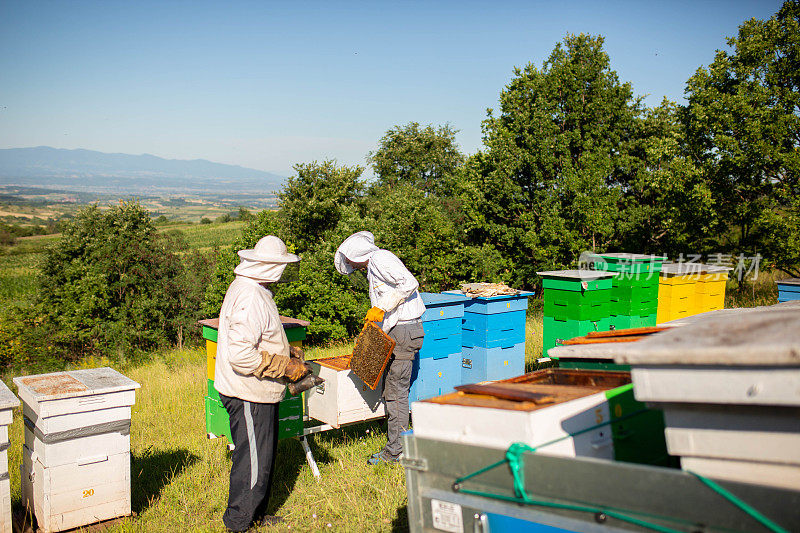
x: 7, y: 404
x: 497, y: 423
x: 344, y: 398
x: 76, y: 458
x: 729, y: 385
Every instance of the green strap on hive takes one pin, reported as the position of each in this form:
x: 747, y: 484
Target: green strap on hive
x: 515, y: 459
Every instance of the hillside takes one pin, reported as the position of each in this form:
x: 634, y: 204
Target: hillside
x: 87, y: 170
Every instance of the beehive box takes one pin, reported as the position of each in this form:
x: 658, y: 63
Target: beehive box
x: 729, y: 385
x: 677, y: 289
x: 575, y: 303
x: 710, y: 289
x: 437, y: 369
x: 76, y: 457
x: 788, y: 289
x: 565, y: 420
x: 344, y: 398
x: 7, y: 403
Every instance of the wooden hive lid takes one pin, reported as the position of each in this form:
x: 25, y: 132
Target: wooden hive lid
x: 7, y: 398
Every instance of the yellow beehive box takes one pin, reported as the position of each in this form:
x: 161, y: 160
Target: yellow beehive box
x: 676, y: 290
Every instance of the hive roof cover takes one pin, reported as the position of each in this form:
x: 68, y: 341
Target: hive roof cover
x: 434, y: 298
x: 73, y: 383
x: 762, y: 336
x: 577, y: 274
x: 7, y: 398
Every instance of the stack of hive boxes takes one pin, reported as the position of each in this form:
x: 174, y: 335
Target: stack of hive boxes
x: 575, y: 303
x: 710, y: 289
x: 437, y: 370
x: 729, y: 386
x: 76, y: 458
x: 7, y: 404
x: 493, y: 337
x: 290, y: 410
x: 788, y: 289
x: 634, y: 288
x: 677, y: 289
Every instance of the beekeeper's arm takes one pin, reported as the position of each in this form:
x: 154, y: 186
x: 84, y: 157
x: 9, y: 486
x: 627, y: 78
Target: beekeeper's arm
x: 245, y: 327
x: 401, y: 282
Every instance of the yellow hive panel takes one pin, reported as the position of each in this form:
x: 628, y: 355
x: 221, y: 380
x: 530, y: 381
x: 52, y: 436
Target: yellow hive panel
x: 211, y: 357
x: 678, y: 280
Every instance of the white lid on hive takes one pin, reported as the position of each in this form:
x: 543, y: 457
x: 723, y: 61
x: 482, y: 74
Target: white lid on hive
x: 72, y: 384
x: 7, y: 398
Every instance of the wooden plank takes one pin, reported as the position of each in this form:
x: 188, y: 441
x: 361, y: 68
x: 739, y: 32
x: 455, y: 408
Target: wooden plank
x: 627, y: 332
x: 602, y: 340
x: 506, y: 392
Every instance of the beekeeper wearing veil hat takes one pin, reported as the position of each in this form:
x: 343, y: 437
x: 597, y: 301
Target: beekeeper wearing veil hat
x: 254, y: 364
x: 398, y: 308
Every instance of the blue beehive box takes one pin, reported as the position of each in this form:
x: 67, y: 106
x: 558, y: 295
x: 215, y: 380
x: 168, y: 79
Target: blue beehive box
x: 489, y: 364
x: 437, y: 370
x: 433, y: 377
x: 788, y: 289
x: 492, y: 331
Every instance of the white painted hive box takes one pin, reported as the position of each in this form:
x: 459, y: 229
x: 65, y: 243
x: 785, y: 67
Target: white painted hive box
x: 344, y: 398
x: 7, y: 404
x: 72, y: 495
x: 729, y: 385
x: 569, y: 416
x: 76, y: 458
x: 499, y: 428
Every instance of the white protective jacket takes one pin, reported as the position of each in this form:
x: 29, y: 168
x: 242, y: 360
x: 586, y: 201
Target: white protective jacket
x: 248, y: 323
x: 394, y: 289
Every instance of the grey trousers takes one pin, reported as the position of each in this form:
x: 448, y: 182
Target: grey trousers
x: 408, y: 341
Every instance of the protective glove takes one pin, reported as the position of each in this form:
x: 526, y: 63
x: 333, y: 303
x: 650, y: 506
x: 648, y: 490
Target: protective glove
x: 296, y: 369
x: 375, y: 314
x: 297, y: 353
x: 272, y: 365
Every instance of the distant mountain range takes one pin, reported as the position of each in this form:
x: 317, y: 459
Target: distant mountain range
x: 87, y: 170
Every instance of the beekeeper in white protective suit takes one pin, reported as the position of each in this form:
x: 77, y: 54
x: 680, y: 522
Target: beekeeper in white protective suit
x: 254, y: 363
x: 398, y: 308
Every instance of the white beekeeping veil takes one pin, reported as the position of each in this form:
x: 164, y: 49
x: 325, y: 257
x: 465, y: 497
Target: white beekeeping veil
x: 358, y: 248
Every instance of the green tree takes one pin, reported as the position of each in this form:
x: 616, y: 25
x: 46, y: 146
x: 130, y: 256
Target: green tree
x: 112, y: 284
x: 417, y: 156
x: 557, y: 155
x: 312, y: 201
x: 743, y: 126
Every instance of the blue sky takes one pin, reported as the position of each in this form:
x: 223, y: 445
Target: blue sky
x: 270, y: 84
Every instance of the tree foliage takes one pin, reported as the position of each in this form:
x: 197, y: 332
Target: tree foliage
x: 112, y: 285
x: 423, y: 158
x: 743, y: 126
x: 548, y: 185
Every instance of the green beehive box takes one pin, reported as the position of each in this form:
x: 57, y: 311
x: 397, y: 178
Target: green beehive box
x: 631, y: 308
x: 290, y: 415
x: 635, y: 321
x: 591, y: 364
x: 554, y: 331
x: 574, y: 305
x: 638, y: 438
